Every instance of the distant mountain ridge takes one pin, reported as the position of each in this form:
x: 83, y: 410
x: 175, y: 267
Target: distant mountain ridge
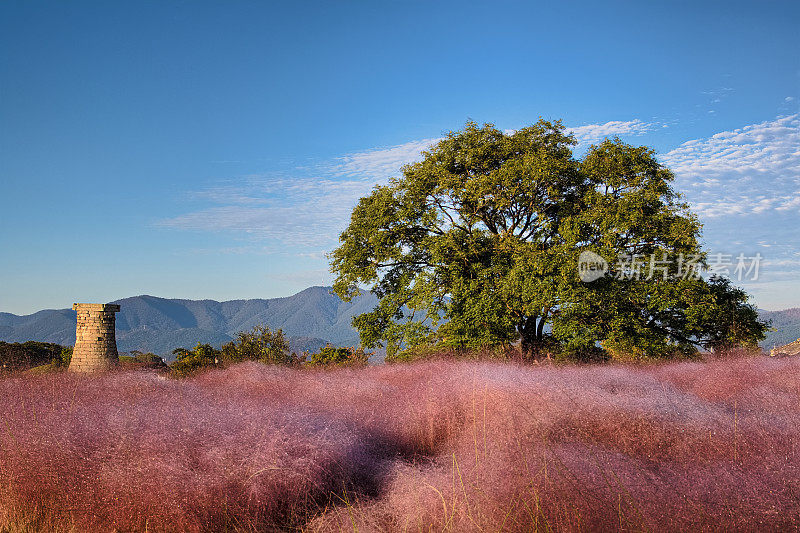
x: 786, y: 324
x: 309, y: 319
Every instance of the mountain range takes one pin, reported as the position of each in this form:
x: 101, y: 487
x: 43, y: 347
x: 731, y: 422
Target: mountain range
x: 786, y: 324
x: 309, y: 319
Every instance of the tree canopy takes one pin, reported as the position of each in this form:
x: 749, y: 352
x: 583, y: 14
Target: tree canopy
x: 478, y: 245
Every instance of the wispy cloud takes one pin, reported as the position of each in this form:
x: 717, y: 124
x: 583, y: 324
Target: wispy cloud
x: 743, y: 183
x: 718, y: 94
x: 381, y: 163
x: 306, y: 278
x: 754, y: 170
x: 593, y: 133
x: 300, y: 212
x: 750, y: 170
x: 745, y: 186
x: 311, y: 209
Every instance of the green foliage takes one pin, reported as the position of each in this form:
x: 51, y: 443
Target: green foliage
x: 139, y: 359
x: 188, y: 362
x: 724, y: 319
x: 581, y: 354
x: 259, y: 344
x: 337, y: 356
x: 15, y: 356
x: 477, y: 245
x: 430, y: 352
x: 65, y: 356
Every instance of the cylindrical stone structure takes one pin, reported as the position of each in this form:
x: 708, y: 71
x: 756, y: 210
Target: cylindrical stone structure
x: 95, y: 339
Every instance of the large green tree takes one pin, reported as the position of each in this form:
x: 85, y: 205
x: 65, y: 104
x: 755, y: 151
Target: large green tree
x: 478, y: 245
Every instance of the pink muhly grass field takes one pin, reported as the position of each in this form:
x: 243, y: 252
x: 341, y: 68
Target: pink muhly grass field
x: 457, y: 446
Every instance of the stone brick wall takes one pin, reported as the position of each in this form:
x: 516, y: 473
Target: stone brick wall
x: 95, y: 339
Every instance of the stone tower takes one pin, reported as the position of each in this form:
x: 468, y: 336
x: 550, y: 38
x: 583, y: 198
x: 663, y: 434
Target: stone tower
x: 95, y: 341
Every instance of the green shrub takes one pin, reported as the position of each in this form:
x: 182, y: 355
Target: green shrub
x: 429, y: 352
x: 582, y: 354
x: 17, y: 356
x: 259, y: 344
x: 337, y: 356
x: 139, y: 359
x: 45, y: 369
x: 188, y: 362
x: 65, y: 357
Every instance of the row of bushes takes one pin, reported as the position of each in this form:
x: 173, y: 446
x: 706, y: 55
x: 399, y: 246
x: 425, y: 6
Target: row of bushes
x: 265, y: 346
x: 259, y: 344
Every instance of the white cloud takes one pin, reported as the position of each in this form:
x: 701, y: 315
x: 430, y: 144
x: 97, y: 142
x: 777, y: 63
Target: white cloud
x: 745, y: 186
x: 301, y: 212
x: 750, y: 170
x: 310, y: 212
x: 593, y: 133
x: 719, y: 92
x: 381, y: 163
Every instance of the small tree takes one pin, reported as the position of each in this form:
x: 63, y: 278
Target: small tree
x: 330, y: 355
x: 190, y: 361
x: 139, y: 359
x: 259, y: 344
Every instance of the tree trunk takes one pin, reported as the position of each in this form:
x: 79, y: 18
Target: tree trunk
x: 527, y: 335
x: 531, y: 334
x: 540, y: 328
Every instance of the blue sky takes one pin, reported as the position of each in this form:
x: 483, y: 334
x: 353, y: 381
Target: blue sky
x: 214, y: 150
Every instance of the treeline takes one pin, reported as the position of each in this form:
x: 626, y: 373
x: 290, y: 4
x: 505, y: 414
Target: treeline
x: 260, y: 344
x: 22, y: 356
x: 19, y: 356
x: 263, y: 345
